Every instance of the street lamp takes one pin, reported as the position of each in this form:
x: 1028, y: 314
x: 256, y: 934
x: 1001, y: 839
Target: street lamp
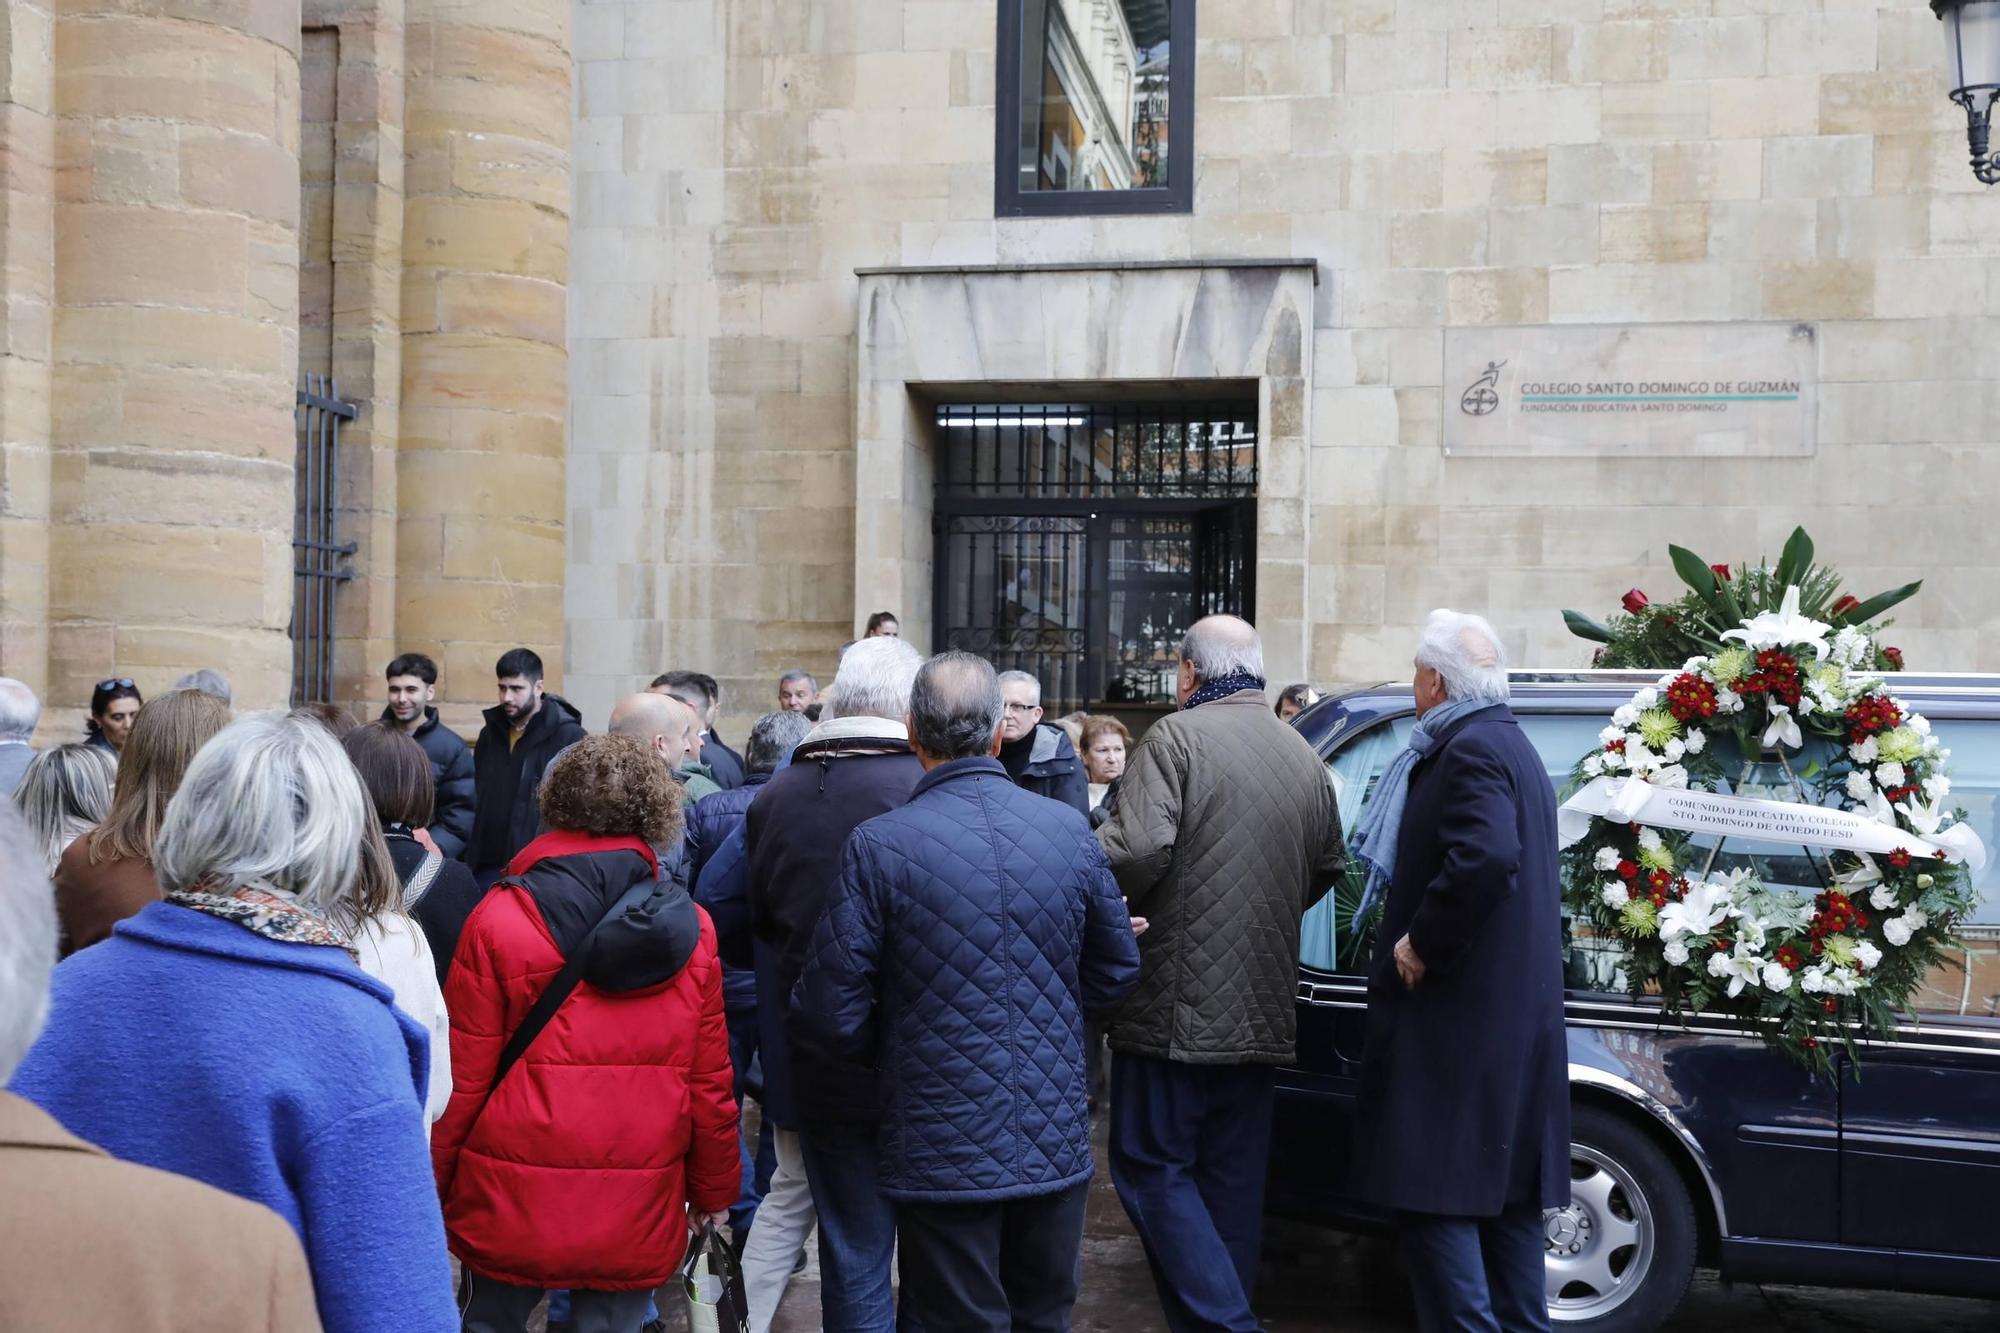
x: 1972, y: 63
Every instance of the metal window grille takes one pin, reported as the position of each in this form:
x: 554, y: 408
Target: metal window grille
x: 320, y: 560
x: 1078, y: 541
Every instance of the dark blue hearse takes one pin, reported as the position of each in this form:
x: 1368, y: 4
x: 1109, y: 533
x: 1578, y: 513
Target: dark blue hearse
x: 1693, y: 1143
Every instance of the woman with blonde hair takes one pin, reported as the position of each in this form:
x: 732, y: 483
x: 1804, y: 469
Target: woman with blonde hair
x: 107, y: 875
x: 226, y: 1034
x: 64, y: 794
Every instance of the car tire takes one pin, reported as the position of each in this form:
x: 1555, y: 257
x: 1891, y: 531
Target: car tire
x: 1626, y: 1243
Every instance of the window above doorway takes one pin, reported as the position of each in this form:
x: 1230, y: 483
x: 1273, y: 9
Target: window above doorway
x: 1095, y: 108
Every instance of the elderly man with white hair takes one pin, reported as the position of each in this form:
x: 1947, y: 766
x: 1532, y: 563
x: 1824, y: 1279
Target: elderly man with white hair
x: 20, y: 712
x: 1463, y: 1113
x: 855, y: 764
x: 1225, y: 833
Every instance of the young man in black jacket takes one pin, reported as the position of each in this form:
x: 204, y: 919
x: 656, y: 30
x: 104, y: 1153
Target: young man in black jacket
x: 412, y: 688
x: 523, y: 732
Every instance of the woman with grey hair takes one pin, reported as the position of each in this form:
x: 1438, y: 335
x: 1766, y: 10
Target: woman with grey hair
x: 226, y: 1034
x: 65, y: 793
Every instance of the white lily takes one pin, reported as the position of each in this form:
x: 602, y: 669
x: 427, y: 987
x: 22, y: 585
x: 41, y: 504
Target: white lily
x: 1700, y: 912
x: 1741, y: 968
x: 1783, y: 628
x: 1861, y: 876
x: 1925, y: 817
x: 1881, y: 811
x: 1784, y: 729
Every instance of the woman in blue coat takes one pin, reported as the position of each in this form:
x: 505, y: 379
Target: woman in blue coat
x: 227, y: 1034
x: 1463, y: 1115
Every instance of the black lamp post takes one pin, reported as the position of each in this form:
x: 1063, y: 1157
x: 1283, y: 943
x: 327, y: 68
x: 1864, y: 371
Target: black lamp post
x: 1972, y: 64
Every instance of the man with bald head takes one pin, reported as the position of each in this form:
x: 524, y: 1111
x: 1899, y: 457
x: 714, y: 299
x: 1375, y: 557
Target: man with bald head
x: 1225, y: 833
x: 669, y: 728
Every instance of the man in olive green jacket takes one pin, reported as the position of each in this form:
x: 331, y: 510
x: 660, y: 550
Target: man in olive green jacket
x: 1225, y: 832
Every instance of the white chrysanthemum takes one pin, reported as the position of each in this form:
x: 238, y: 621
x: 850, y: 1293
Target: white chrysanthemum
x: 1918, y: 723
x: 1697, y: 741
x: 1625, y: 716
x: 1777, y: 977
x: 1863, y: 752
x: 1937, y: 787
x: 1883, y: 898
x: 1670, y: 775
x: 1858, y: 786
x: 1675, y: 749
x: 1676, y: 952
x: 1897, y: 930
x: 1813, y: 980
x: 1649, y: 839
x: 1867, y: 953
x: 1593, y: 765
x: 1890, y: 776
x: 1615, y: 895
x: 1606, y: 858
x: 1645, y: 698
x: 1610, y: 734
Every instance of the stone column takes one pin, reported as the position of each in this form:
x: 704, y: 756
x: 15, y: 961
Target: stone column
x: 176, y: 343
x: 480, y: 464
x: 27, y: 279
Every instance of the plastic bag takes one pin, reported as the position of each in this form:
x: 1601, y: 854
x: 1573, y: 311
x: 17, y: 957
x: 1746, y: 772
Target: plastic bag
x: 713, y: 1286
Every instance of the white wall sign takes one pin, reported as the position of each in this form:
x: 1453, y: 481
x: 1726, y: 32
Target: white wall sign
x: 1552, y: 390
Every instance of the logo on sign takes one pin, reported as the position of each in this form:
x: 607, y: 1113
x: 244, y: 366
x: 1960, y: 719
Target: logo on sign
x: 1483, y: 397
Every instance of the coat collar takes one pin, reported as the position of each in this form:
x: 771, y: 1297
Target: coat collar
x: 1494, y: 713
x: 26, y: 1125
x: 856, y: 728
x: 184, y: 930
x: 567, y: 842
x: 952, y: 770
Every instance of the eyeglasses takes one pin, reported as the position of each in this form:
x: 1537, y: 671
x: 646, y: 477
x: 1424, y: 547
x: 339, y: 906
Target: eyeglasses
x: 1022, y: 708
x: 118, y: 683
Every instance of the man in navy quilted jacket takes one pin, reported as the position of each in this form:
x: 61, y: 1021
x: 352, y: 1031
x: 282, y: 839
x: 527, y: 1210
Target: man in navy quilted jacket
x: 970, y: 932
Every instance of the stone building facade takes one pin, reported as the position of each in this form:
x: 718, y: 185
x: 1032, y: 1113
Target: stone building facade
x: 203, y: 200
x: 787, y: 245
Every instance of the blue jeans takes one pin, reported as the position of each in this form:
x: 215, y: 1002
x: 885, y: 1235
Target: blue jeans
x: 756, y: 1170
x: 1189, y: 1144
x: 1476, y: 1274
x: 857, y: 1229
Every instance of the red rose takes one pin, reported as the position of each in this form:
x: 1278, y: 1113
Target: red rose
x: 1628, y: 870
x: 1721, y: 572
x: 1895, y: 656
x: 1635, y: 602
x: 1847, y: 603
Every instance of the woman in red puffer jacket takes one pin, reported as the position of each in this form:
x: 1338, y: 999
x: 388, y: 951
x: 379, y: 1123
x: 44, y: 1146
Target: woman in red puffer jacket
x: 615, y: 1134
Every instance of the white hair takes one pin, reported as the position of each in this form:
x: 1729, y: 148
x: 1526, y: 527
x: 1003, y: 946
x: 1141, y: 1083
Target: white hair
x: 1221, y: 646
x: 208, y: 681
x: 271, y: 801
x: 20, y: 710
x: 64, y: 794
x: 874, y: 680
x: 1465, y: 650
x: 1023, y: 678
x: 27, y: 941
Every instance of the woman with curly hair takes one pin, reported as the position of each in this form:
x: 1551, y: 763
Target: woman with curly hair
x: 586, y: 1165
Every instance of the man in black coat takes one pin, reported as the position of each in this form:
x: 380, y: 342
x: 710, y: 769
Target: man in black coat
x: 523, y: 732
x: 1463, y: 1114
x: 1036, y: 755
x: 412, y: 689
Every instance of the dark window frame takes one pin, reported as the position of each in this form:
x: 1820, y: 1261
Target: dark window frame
x: 1177, y: 196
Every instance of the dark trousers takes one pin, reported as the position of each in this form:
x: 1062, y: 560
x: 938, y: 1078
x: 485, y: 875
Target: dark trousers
x: 991, y: 1267
x: 757, y: 1168
x: 1189, y: 1146
x: 857, y: 1228
x: 486, y: 1305
x: 1476, y: 1274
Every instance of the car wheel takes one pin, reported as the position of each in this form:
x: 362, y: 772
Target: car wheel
x: 1621, y: 1255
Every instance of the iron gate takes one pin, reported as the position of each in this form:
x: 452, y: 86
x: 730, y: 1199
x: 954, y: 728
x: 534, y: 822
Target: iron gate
x: 1076, y: 542
x: 319, y: 558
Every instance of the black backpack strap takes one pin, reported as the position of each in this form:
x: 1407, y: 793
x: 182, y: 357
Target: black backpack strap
x: 559, y: 990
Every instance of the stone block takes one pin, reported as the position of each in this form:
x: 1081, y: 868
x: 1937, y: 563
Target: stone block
x: 1500, y: 57
x: 1648, y: 293
x: 160, y: 336
x: 900, y: 79
x: 1247, y: 19
x: 460, y: 370
x: 1828, y: 42
x: 1656, y: 234
x: 752, y: 365
x: 1715, y: 48
x: 1623, y: 52
x: 528, y: 308
x: 1761, y: 108
x: 240, y: 173
x: 948, y: 25
x: 1607, y: 173
x: 1651, y: 112
x: 119, y: 254
x: 1431, y: 122
x: 479, y: 235
x: 1511, y: 178
x: 1438, y: 239
x: 1876, y: 226
x: 1817, y: 167
x: 1884, y: 102
x: 1923, y: 288
x: 1822, y: 289
x: 509, y: 166
x: 135, y: 573
x: 161, y: 68
x: 1395, y: 181
x: 1247, y: 127
x: 1393, y: 62
x: 1760, y: 230
x: 1694, y: 172
x: 1498, y: 296
x: 1961, y: 224
x: 483, y: 547
x: 1540, y: 237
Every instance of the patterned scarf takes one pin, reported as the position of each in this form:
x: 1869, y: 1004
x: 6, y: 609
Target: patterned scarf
x: 1222, y: 687
x: 1374, y: 843
x: 258, y: 909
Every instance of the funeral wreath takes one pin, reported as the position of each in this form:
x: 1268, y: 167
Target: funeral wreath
x: 1790, y: 705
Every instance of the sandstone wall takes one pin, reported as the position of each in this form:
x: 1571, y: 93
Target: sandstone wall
x: 1445, y: 163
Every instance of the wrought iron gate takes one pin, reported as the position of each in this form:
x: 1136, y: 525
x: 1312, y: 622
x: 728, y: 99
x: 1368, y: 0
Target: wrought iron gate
x: 1077, y: 542
x: 319, y: 557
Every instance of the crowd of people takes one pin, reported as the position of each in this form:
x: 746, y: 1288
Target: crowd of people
x: 366, y: 999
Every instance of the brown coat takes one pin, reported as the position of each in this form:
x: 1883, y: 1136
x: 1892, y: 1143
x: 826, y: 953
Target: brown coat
x: 91, y: 899
x: 89, y: 1243
x: 1225, y: 833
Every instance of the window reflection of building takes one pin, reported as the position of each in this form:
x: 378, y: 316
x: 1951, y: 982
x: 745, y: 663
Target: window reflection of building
x: 1102, y: 118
